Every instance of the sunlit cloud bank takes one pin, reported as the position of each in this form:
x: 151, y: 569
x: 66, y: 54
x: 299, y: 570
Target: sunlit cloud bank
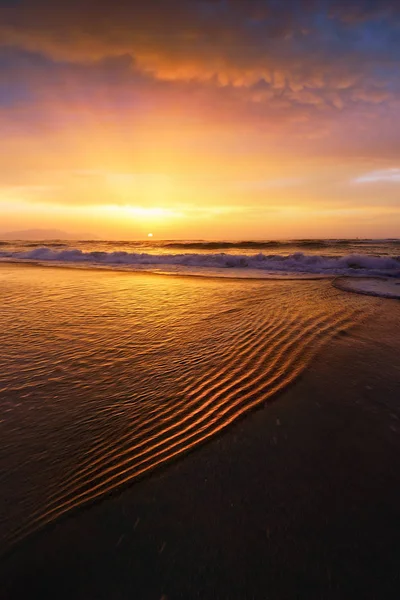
x: 389, y: 175
x: 185, y: 115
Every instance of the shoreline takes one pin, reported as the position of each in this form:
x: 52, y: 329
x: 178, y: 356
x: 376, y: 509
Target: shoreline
x: 119, y: 270
x: 298, y: 499
x: 268, y: 277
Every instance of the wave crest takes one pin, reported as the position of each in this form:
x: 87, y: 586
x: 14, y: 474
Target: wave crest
x: 296, y: 263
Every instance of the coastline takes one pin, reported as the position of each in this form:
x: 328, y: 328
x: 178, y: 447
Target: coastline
x: 221, y: 274
x: 299, y: 499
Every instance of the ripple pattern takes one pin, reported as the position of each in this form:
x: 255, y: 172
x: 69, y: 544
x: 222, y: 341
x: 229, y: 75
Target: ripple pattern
x: 106, y: 376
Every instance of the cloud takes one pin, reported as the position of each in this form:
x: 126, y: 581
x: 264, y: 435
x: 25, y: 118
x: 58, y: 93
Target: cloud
x: 260, y: 63
x: 383, y: 175
x: 236, y: 42
x: 246, y: 103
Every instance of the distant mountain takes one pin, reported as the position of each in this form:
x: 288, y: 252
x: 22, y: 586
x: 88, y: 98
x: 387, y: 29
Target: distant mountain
x: 44, y: 234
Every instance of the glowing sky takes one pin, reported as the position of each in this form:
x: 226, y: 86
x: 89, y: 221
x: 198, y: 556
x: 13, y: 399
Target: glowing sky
x: 201, y: 118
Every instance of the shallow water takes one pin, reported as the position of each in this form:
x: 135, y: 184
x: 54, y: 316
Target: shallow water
x: 106, y: 375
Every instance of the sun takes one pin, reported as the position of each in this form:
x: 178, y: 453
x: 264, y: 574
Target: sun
x: 150, y: 235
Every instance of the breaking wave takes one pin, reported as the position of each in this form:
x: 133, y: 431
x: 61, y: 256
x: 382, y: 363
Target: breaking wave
x: 254, y: 265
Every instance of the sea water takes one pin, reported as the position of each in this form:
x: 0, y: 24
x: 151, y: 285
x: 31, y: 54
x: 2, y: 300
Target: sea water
x: 107, y: 375
x: 222, y: 258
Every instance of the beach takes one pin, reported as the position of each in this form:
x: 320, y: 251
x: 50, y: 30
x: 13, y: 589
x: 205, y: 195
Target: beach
x: 295, y: 494
x: 200, y: 300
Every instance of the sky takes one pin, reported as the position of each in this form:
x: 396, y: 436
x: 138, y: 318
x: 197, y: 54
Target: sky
x: 213, y: 119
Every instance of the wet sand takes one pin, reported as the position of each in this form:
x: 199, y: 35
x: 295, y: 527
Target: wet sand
x: 300, y: 499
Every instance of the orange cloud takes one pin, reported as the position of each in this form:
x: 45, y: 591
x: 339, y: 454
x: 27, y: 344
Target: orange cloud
x: 198, y: 107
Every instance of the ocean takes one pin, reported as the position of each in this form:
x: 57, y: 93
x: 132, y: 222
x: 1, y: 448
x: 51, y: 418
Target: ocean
x: 267, y: 258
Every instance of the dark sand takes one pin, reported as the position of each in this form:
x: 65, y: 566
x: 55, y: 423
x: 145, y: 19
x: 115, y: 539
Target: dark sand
x: 298, y: 500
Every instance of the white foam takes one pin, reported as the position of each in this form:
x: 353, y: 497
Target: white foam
x: 254, y: 265
x: 372, y: 286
